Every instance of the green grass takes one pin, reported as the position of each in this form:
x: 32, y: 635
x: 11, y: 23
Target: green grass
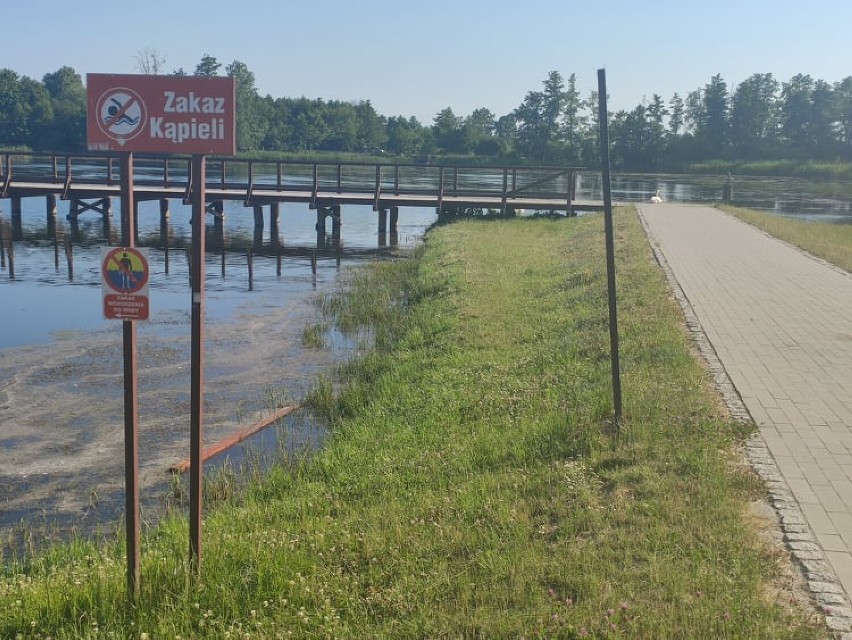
x: 831, y: 242
x: 473, y: 484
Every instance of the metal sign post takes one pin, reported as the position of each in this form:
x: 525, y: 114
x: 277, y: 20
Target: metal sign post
x: 162, y: 114
x: 131, y: 404
x: 196, y: 426
x: 610, y: 248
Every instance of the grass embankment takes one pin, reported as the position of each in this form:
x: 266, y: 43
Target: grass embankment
x: 473, y: 484
x: 831, y: 242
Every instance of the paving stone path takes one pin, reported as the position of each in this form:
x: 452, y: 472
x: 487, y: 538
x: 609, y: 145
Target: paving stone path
x: 776, y: 325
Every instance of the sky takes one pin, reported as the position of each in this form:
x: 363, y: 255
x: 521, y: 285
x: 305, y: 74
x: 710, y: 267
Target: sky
x: 417, y: 58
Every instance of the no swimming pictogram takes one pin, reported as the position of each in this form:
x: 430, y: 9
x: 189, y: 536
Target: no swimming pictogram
x: 121, y: 114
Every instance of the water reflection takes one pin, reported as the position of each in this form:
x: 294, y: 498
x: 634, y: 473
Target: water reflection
x: 59, y: 249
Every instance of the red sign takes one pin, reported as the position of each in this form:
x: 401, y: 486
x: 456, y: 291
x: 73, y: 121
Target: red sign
x: 161, y: 114
x: 125, y: 283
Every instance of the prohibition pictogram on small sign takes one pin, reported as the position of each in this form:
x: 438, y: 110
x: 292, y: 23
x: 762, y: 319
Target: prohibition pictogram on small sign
x: 125, y: 283
x: 121, y: 114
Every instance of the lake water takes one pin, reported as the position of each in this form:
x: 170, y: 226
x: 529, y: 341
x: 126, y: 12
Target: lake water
x: 41, y: 300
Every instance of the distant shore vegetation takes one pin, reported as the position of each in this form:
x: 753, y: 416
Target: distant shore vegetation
x: 762, y: 126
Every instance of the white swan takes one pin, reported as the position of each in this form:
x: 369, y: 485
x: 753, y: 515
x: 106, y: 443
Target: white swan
x: 656, y: 199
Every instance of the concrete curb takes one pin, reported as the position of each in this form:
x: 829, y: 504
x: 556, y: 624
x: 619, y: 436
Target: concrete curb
x: 826, y: 589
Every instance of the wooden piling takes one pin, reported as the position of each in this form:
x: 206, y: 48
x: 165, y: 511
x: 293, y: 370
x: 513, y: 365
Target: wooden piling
x: 2, y: 245
x: 278, y: 260
x: 17, y: 223
x: 219, y: 220
x: 258, y: 217
x: 250, y: 263
x: 314, y: 262
x: 69, y: 258
x: 383, y: 227
x: 165, y: 214
x: 56, y: 248
x: 336, y: 224
x: 106, y: 223
x: 51, y: 210
x: 165, y: 240
x: 394, y: 219
x: 274, y: 217
x: 75, y: 227
x: 10, y: 250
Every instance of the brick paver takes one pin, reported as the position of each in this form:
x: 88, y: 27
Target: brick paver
x: 781, y: 324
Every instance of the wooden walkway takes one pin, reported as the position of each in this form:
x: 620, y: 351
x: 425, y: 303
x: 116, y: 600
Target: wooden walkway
x: 259, y: 182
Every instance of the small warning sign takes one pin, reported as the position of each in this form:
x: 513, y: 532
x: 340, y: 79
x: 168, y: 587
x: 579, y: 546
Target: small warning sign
x: 125, y: 283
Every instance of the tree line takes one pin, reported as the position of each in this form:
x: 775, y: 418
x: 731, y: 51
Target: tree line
x: 761, y: 119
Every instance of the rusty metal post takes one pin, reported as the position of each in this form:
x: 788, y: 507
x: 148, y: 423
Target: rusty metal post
x: 196, y: 426
x: 131, y: 401
x: 135, y: 222
x: 610, y: 248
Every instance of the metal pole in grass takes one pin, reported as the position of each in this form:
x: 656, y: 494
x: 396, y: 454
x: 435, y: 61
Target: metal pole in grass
x: 131, y: 396
x: 196, y: 427
x: 610, y: 249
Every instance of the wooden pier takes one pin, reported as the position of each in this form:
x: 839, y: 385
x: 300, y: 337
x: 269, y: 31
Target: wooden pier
x: 90, y: 181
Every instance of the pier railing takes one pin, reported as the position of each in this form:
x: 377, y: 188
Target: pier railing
x: 258, y: 179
